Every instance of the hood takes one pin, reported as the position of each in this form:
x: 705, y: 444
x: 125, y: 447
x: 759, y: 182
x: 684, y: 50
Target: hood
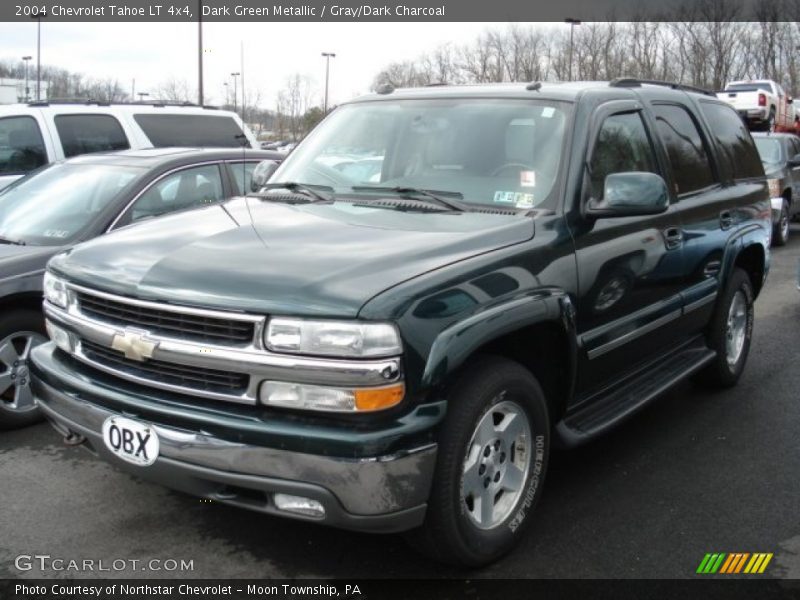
x: 309, y: 259
x: 19, y: 260
x: 774, y: 170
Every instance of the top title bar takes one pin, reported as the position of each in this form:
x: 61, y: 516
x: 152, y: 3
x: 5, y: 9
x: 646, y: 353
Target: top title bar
x: 381, y: 10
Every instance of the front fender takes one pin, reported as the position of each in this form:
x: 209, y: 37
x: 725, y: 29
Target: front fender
x: 454, y: 345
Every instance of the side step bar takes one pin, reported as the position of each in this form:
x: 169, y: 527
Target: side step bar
x: 606, y: 412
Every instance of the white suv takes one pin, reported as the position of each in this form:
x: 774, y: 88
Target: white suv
x: 32, y: 135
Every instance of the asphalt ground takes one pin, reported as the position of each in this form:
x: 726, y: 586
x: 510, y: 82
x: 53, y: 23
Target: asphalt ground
x: 695, y: 472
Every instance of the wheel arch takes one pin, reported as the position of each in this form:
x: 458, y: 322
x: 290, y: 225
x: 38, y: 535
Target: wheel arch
x: 752, y: 260
x: 537, y: 332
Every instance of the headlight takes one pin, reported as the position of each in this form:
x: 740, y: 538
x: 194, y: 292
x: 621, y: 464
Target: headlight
x: 314, y: 397
x: 774, y: 188
x: 55, y: 290
x: 332, y: 338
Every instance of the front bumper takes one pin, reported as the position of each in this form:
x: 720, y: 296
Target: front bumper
x: 384, y: 493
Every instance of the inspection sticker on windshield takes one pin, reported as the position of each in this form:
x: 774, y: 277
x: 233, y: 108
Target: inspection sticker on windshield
x: 56, y: 233
x: 523, y: 200
x: 527, y: 179
x: 548, y: 112
x: 504, y: 197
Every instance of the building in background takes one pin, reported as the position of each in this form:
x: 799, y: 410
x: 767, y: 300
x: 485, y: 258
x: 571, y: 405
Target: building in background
x: 13, y: 90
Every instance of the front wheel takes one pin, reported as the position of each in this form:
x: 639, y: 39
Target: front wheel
x: 491, y: 462
x: 730, y: 332
x: 20, y: 331
x: 780, y: 231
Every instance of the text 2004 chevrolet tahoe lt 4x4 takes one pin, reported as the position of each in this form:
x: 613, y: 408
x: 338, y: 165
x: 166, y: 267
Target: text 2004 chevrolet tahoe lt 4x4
x: 436, y: 286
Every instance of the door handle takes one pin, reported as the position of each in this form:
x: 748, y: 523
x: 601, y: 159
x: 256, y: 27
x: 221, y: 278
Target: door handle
x: 725, y: 219
x: 673, y: 237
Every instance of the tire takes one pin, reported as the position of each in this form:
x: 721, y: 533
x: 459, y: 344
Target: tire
x: 780, y: 231
x: 20, y: 330
x: 770, y: 124
x: 491, y: 391
x: 727, y: 367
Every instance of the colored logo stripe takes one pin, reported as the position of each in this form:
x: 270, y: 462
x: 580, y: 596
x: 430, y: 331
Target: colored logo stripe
x: 735, y: 562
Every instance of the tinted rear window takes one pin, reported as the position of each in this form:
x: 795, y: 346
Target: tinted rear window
x: 739, y: 158
x: 82, y: 134
x: 191, y: 131
x: 21, y: 145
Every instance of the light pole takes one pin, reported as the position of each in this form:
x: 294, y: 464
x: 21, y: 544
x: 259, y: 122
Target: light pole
x: 328, y: 56
x: 234, y: 75
x: 25, y: 60
x: 200, y: 52
x: 571, y: 22
x: 142, y: 95
x: 227, y: 93
x: 39, y: 16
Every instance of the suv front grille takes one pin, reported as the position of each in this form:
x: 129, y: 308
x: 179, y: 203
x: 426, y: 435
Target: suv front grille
x: 195, y: 378
x: 179, y: 325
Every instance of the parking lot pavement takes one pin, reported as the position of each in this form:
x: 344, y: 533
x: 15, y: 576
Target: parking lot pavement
x: 696, y: 472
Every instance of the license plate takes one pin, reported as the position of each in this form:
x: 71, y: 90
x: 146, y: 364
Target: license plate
x: 132, y: 441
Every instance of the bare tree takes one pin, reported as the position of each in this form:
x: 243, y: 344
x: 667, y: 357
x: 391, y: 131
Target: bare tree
x: 173, y: 90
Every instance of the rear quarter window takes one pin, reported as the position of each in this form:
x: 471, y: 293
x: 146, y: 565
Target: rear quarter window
x: 738, y: 156
x: 191, y: 130
x: 83, y: 134
x: 21, y: 145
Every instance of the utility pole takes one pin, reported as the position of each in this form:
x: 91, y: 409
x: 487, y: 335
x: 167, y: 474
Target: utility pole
x: 571, y: 22
x: 234, y: 75
x: 39, y: 16
x: 241, y: 70
x: 25, y: 60
x: 200, y: 52
x: 328, y: 56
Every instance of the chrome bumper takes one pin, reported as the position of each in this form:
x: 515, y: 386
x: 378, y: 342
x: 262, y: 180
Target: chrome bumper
x: 382, y: 494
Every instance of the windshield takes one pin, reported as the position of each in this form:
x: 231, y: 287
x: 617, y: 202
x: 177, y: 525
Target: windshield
x: 505, y: 153
x: 769, y: 150
x: 53, y: 206
x: 752, y: 86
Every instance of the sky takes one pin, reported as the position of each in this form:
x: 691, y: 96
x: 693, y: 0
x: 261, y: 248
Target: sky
x: 153, y: 52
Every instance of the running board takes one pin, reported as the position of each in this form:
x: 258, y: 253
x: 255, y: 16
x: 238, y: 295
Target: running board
x: 607, y: 412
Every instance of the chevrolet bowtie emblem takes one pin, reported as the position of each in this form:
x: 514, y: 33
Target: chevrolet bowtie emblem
x: 133, y: 345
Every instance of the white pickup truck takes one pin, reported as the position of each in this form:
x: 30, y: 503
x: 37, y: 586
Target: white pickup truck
x: 764, y: 104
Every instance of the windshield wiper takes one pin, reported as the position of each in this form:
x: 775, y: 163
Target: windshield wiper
x: 413, y: 193
x: 298, y: 188
x: 4, y: 240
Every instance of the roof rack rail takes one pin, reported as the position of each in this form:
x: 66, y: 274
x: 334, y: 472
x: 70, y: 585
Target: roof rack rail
x: 92, y: 102
x: 436, y: 84
x: 634, y: 82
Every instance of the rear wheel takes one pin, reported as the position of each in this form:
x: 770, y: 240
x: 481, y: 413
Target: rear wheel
x: 491, y: 462
x: 780, y: 231
x: 730, y: 333
x: 20, y: 331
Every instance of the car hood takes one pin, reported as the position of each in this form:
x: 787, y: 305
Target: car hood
x: 20, y: 260
x: 264, y: 257
x: 774, y: 171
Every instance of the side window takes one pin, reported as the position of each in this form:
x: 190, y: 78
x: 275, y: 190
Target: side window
x: 202, y: 131
x: 190, y: 188
x: 21, y: 145
x: 688, y: 154
x: 738, y: 155
x: 242, y: 175
x: 794, y: 148
x: 82, y: 134
x: 622, y: 145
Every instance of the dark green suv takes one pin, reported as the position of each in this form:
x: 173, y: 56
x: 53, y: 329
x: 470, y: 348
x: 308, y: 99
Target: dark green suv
x: 435, y: 287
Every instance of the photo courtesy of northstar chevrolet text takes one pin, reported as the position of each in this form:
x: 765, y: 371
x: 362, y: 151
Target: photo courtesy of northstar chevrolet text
x: 438, y: 299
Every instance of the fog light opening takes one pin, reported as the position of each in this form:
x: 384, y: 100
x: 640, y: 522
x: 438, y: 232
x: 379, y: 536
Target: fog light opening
x: 299, y: 505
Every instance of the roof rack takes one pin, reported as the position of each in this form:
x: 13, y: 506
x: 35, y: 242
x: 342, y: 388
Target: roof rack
x: 634, y: 82
x: 91, y: 102
x: 437, y: 84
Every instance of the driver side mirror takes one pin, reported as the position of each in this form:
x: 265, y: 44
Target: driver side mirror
x: 261, y: 174
x: 630, y: 194
x: 794, y: 161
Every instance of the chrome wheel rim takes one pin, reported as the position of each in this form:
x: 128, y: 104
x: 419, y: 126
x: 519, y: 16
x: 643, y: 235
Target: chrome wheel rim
x: 784, y: 224
x: 611, y: 293
x: 15, y: 380
x: 496, y: 465
x: 736, y: 330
